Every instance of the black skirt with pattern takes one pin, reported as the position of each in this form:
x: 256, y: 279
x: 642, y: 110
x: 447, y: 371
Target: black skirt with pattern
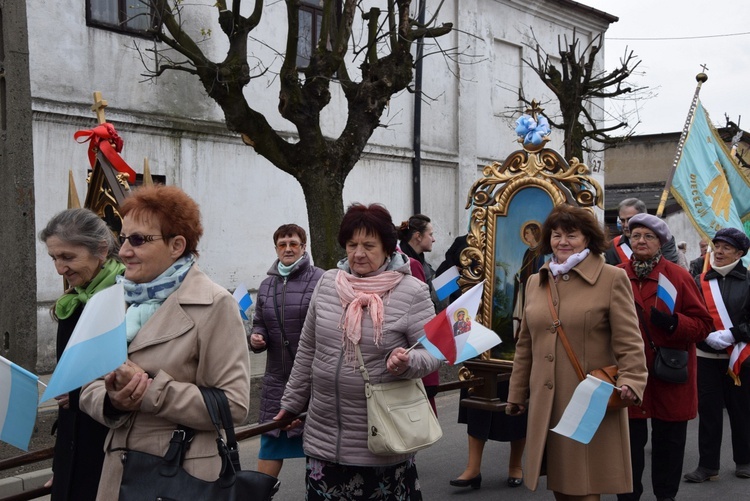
x: 327, y: 481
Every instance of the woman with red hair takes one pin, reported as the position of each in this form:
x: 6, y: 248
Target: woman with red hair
x: 183, y: 331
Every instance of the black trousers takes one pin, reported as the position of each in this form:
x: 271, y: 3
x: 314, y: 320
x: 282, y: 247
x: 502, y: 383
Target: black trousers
x: 667, y: 454
x: 716, y: 390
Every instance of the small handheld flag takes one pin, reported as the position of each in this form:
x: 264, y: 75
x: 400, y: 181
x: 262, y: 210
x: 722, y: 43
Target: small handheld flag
x: 585, y: 411
x: 243, y: 300
x: 18, y: 403
x: 446, y: 283
x: 97, y: 346
x: 453, y: 336
x: 667, y: 292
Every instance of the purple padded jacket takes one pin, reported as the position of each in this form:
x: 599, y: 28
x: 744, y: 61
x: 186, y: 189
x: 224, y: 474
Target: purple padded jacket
x: 292, y: 298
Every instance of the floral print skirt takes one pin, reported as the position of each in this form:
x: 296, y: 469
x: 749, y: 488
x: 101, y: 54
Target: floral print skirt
x: 338, y: 482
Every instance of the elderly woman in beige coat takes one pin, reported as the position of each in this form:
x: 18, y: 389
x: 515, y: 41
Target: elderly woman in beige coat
x: 184, y: 331
x: 594, y: 303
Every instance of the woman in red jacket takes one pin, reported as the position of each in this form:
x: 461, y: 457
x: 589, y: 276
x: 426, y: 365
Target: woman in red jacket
x: 669, y: 405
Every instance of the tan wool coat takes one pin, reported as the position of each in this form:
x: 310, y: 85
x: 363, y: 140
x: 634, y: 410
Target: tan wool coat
x: 595, y: 305
x: 196, y: 338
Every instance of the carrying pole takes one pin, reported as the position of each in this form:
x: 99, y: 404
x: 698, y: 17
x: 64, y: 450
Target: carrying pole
x: 701, y: 78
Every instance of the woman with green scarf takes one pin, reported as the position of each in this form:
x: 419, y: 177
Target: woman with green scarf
x: 84, y: 252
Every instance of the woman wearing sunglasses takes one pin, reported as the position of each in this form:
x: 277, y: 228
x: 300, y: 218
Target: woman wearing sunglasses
x: 183, y: 330
x: 84, y: 252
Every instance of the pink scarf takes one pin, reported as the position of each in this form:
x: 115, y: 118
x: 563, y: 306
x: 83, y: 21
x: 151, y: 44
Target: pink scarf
x: 356, y: 294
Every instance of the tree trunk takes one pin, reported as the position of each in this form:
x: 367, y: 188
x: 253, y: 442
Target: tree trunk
x: 325, y: 209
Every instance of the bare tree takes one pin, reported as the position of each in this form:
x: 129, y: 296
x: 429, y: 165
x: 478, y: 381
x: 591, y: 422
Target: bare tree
x: 576, y: 83
x: 320, y: 164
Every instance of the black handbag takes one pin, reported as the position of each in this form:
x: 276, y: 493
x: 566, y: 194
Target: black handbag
x: 670, y: 364
x: 147, y: 477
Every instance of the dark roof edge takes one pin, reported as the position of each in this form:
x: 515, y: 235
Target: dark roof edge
x: 598, y: 13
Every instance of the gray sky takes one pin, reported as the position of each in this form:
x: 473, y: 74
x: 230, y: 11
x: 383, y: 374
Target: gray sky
x: 669, y: 67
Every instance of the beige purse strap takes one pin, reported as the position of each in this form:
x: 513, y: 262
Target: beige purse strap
x: 561, y: 334
x: 362, y: 368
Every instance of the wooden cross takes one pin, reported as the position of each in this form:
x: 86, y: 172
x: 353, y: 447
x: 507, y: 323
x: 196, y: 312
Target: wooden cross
x: 704, y: 68
x: 98, y: 107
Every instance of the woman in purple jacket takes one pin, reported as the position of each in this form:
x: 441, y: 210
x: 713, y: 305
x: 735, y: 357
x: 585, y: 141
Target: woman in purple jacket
x: 283, y: 299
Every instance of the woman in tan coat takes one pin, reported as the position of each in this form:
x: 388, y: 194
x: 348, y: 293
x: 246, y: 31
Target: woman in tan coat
x: 594, y: 304
x: 184, y: 331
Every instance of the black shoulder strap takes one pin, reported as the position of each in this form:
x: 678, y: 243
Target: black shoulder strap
x: 218, y: 409
x: 280, y: 321
x: 645, y: 326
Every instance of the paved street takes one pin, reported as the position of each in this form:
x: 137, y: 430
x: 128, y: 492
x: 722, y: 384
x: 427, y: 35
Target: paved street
x: 447, y: 458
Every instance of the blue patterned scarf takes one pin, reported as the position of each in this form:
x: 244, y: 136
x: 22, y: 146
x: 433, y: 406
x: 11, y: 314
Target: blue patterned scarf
x: 145, y: 299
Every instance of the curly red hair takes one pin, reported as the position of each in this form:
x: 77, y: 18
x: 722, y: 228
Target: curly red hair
x: 175, y: 212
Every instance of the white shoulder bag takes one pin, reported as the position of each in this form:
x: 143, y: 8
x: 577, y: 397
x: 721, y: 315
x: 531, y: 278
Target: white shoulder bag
x: 400, y: 419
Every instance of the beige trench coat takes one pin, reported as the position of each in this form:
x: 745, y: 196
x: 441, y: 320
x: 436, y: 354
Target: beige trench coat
x: 596, y: 309
x: 196, y: 338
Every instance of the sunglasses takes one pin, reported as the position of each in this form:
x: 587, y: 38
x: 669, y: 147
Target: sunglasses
x: 136, y: 239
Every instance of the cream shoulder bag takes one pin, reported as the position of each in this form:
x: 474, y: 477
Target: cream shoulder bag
x: 400, y: 419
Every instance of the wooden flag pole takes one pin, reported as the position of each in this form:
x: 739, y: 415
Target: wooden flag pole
x: 701, y: 78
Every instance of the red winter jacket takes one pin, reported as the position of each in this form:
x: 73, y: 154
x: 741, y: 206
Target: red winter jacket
x: 663, y: 400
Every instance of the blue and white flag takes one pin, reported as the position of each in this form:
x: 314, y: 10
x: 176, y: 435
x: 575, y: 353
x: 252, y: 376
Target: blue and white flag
x: 243, y: 300
x: 446, y: 283
x: 97, y: 345
x: 585, y: 411
x: 18, y: 403
x: 667, y: 292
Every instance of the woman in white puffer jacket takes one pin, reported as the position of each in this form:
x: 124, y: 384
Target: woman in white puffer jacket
x: 372, y: 301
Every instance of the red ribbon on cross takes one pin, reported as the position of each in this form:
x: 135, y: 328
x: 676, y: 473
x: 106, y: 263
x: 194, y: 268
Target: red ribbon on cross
x: 104, y: 138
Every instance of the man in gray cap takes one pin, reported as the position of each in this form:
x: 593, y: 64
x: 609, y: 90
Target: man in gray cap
x: 726, y: 289
x: 620, y: 251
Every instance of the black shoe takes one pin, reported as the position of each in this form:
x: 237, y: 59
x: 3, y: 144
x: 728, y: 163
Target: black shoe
x: 515, y: 482
x: 474, y: 483
x: 701, y: 474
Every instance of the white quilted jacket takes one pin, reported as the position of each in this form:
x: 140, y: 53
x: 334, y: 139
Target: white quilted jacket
x: 336, y: 425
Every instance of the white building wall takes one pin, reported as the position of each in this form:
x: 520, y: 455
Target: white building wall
x: 243, y: 197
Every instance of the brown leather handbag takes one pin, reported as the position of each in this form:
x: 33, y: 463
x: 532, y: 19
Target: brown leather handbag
x: 608, y: 373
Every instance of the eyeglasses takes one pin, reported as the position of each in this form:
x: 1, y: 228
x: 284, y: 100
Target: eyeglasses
x: 136, y: 239
x: 291, y: 245
x: 649, y: 237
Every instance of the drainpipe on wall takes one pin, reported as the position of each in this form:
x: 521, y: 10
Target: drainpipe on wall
x: 416, y: 163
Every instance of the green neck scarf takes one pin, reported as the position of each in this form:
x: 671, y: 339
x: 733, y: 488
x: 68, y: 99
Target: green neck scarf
x: 69, y: 302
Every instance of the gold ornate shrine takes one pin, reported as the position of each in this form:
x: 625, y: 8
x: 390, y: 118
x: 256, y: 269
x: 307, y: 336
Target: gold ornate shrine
x: 508, y: 207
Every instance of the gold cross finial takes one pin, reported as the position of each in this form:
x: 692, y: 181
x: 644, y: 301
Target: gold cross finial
x: 535, y: 109
x: 98, y: 107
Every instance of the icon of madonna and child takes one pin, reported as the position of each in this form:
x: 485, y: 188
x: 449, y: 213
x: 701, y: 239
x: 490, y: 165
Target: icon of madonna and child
x: 532, y: 262
x: 515, y: 261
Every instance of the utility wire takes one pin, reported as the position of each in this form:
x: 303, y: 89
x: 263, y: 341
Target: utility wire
x: 682, y: 38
